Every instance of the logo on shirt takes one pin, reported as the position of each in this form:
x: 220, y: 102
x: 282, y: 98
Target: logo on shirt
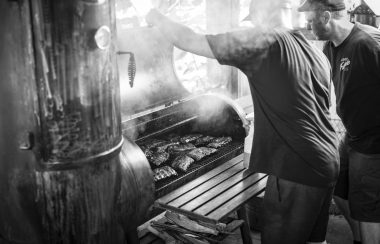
x: 344, y: 63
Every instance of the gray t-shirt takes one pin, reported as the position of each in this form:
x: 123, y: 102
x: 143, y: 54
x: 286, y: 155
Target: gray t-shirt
x: 290, y: 84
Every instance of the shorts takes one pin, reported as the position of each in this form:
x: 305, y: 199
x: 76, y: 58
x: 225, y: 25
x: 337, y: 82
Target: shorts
x: 364, y: 187
x: 294, y: 213
x: 342, y: 185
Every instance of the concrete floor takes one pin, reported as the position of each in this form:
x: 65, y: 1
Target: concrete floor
x: 338, y: 232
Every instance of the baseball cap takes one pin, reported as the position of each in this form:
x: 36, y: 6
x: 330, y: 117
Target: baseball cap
x: 331, y: 5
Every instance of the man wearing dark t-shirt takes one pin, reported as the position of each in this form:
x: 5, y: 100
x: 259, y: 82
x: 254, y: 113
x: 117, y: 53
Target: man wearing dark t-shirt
x: 354, y: 53
x: 294, y: 141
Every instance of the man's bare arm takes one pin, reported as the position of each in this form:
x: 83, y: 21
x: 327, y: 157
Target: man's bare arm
x: 181, y: 36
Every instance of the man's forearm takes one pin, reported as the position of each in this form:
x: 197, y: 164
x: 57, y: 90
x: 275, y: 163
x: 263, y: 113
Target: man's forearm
x: 180, y: 35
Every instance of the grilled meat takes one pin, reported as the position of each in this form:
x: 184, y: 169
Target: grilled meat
x: 164, y: 145
x: 158, y: 158
x: 163, y: 172
x: 219, y: 142
x: 203, y: 140
x: 152, y: 143
x: 201, y: 152
x: 190, y: 138
x: 180, y: 149
x: 182, y: 162
x: 148, y: 152
x: 173, y: 137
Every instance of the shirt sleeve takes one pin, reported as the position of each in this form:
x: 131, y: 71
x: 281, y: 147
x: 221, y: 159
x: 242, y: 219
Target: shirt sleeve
x: 375, y: 62
x: 241, y: 48
x: 369, y: 53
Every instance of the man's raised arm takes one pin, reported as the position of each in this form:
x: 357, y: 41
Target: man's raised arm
x: 181, y: 36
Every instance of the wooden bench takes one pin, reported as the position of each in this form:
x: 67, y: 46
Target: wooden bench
x: 214, y: 196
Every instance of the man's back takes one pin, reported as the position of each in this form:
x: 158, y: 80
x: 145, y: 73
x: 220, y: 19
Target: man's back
x: 290, y: 85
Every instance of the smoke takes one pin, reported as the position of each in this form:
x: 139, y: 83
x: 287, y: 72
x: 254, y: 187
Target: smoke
x: 152, y: 77
x: 271, y: 13
x: 214, y: 116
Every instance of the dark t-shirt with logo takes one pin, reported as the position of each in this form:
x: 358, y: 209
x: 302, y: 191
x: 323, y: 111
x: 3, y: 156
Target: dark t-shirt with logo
x: 356, y: 76
x: 290, y: 85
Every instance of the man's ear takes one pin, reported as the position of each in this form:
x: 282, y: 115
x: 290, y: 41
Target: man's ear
x: 326, y: 17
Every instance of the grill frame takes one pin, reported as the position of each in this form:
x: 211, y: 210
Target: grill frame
x: 186, y: 117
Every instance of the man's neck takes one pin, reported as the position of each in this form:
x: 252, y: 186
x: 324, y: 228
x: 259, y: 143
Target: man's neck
x: 341, y: 30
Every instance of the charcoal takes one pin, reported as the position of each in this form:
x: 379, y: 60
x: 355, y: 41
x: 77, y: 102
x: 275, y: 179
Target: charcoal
x: 203, y: 140
x: 163, y: 172
x: 190, y: 138
x: 159, y: 158
x: 182, y: 162
x: 220, y: 142
x: 201, y: 152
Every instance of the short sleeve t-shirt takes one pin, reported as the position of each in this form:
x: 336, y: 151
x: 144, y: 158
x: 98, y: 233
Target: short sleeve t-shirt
x: 290, y: 84
x: 356, y: 76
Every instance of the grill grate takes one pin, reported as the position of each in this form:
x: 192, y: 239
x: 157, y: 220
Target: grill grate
x: 223, y: 154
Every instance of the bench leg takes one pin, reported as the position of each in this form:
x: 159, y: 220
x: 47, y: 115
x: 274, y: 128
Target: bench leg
x: 244, y: 228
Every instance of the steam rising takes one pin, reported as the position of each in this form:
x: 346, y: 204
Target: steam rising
x: 155, y: 79
x: 142, y: 7
x: 271, y: 13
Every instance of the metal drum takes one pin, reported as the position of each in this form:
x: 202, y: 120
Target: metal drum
x: 64, y: 179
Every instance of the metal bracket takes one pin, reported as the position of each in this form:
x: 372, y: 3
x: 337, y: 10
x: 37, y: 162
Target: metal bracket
x: 27, y: 141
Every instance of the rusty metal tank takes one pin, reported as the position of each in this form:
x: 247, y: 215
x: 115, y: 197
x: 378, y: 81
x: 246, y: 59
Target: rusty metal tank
x: 63, y: 176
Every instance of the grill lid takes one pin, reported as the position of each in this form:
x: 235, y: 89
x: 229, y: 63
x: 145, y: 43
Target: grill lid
x: 155, y: 83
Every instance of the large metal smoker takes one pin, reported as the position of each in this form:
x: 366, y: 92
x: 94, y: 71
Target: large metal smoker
x: 64, y: 176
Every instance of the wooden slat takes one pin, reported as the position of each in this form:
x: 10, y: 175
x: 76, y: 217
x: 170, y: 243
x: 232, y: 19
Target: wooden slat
x: 227, y: 194
x: 217, y: 189
x: 200, y: 180
x: 223, y: 178
x: 238, y: 200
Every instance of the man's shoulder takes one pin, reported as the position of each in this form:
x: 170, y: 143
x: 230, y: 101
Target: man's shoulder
x: 366, y: 35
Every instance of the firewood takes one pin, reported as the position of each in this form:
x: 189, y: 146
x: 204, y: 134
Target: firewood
x: 189, y: 224
x: 163, y: 235
x: 194, y: 240
x: 177, y: 231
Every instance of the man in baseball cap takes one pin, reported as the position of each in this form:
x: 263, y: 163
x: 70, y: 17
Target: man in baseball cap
x: 321, y: 16
x: 353, y: 50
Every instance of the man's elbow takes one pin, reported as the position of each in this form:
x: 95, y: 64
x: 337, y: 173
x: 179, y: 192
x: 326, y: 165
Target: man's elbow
x: 196, y: 44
